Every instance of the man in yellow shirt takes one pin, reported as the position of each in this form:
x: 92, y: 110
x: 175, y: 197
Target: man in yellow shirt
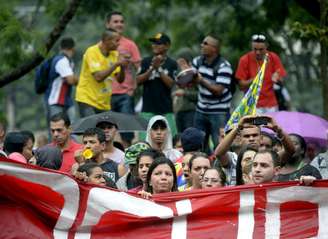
x: 101, y: 63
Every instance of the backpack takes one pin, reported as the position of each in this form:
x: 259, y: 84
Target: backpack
x: 233, y: 81
x: 45, y: 74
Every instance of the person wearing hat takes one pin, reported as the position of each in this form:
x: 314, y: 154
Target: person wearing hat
x: 110, y: 127
x: 192, y: 141
x: 249, y: 65
x: 130, y: 179
x: 159, y: 136
x: 157, y: 77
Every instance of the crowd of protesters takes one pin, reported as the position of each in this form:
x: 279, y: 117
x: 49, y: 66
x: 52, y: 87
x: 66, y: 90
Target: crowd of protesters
x: 201, y: 156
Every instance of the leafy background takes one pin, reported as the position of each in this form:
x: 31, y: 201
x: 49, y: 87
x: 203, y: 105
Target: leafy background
x: 25, y: 24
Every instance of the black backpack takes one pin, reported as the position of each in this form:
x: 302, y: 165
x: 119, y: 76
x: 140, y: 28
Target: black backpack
x: 45, y: 74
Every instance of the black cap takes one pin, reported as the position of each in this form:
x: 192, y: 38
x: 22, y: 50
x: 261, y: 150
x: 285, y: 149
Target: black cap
x: 160, y: 38
x: 106, y: 119
x: 192, y: 139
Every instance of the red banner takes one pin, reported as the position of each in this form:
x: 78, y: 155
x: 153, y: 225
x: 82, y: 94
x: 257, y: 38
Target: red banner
x: 38, y: 203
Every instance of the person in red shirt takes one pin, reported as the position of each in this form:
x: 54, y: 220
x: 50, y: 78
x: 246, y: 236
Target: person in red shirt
x: 61, y: 137
x: 250, y: 64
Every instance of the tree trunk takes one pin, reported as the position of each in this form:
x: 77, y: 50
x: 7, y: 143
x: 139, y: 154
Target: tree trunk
x: 37, y: 58
x: 323, y: 57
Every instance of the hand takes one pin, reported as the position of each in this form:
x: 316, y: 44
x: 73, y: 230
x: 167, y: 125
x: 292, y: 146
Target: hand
x: 246, y: 121
x: 81, y: 176
x: 198, y: 78
x: 306, y: 180
x: 272, y: 124
x: 275, y: 77
x: 78, y: 156
x: 157, y: 61
x: 32, y: 161
x: 124, y: 60
x: 144, y: 194
x: 179, y: 92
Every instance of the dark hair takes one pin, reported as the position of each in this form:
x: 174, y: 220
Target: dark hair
x: 49, y: 156
x: 61, y: 116
x: 87, y: 168
x: 109, y: 15
x: 221, y: 173
x: 302, y: 142
x: 239, y: 172
x: 95, y: 132
x: 153, y: 153
x: 108, y: 33
x: 186, y: 55
x: 268, y: 135
x: 274, y: 155
x: 67, y: 43
x: 197, y: 155
x: 118, y: 145
x: 159, y: 124
x: 28, y: 135
x: 176, y: 139
x: 14, y: 142
x: 157, y: 162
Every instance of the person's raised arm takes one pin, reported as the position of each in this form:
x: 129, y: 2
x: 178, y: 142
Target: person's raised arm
x: 286, y: 142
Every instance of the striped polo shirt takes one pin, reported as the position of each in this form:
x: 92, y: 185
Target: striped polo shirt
x: 219, y: 72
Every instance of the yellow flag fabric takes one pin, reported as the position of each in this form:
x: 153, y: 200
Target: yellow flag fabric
x: 247, y: 105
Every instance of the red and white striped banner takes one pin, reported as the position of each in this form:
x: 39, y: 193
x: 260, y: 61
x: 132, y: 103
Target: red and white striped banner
x: 38, y: 203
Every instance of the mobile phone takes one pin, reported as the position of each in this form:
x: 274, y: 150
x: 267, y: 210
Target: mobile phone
x: 261, y: 120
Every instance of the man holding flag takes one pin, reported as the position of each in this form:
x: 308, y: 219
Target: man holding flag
x: 249, y: 66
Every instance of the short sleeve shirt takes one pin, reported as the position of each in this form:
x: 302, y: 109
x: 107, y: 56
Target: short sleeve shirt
x: 248, y: 68
x: 90, y: 91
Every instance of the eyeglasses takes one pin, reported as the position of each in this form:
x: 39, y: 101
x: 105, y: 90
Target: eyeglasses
x: 258, y: 38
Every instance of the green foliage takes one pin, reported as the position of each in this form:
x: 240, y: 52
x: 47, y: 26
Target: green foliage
x: 185, y: 21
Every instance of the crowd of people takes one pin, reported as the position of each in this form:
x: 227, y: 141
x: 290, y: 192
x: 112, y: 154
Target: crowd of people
x: 245, y: 155
x: 184, y: 147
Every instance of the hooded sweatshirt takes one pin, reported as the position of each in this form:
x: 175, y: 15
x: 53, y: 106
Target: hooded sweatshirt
x: 167, y: 147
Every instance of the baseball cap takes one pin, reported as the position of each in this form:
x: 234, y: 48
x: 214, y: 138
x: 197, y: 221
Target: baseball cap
x: 132, y: 152
x: 105, y: 119
x: 160, y: 38
x: 192, y: 139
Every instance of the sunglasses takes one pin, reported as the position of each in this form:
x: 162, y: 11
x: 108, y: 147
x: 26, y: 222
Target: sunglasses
x: 205, y: 43
x: 258, y: 37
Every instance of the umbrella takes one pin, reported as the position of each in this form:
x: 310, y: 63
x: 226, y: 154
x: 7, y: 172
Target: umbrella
x: 312, y: 127
x: 124, y: 122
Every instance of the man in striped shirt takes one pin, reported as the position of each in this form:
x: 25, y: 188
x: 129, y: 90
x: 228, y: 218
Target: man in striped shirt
x: 214, y: 95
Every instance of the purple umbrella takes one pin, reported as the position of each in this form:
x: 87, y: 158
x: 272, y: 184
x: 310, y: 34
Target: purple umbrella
x: 312, y: 127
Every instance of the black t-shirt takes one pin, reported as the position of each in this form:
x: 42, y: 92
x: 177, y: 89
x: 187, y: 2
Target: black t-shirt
x: 307, y: 170
x: 110, y: 169
x: 156, y: 95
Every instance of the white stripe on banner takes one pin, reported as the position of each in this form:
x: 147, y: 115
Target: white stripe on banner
x: 57, y: 182
x: 246, y: 215
x: 98, y: 205
x: 310, y: 194
x: 179, y: 226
